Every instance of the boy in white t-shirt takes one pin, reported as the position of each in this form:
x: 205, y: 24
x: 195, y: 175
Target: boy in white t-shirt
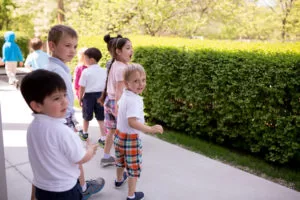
x: 92, y: 84
x: 131, y: 124
x: 54, y: 151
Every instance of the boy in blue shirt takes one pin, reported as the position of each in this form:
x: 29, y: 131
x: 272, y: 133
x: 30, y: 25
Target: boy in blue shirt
x: 62, y: 41
x: 38, y: 59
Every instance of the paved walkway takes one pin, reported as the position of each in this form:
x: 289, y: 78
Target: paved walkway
x: 169, y: 172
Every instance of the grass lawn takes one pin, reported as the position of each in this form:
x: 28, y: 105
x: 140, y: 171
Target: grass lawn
x: 289, y: 177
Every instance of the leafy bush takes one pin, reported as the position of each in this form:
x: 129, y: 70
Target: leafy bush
x: 241, y: 94
x: 187, y: 44
x: 249, y: 100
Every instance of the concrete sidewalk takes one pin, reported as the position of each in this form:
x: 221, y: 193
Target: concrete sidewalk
x: 20, y: 70
x: 169, y: 172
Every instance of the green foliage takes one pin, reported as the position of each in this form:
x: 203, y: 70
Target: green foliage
x: 21, y: 39
x: 247, y: 99
x: 22, y: 24
x: 293, y: 26
x: 213, y: 19
x: 248, y: 22
x: 155, y: 16
x: 86, y: 17
x: 12, y: 19
x: 239, y: 93
x: 6, y: 9
x: 216, y: 19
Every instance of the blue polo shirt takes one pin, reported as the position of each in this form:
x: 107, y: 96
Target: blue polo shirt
x: 57, y: 66
x: 37, y: 60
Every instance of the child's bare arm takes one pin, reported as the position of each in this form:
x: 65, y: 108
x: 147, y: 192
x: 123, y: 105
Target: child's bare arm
x: 120, y: 85
x: 119, y: 90
x: 28, y: 67
x: 145, y: 128
x: 33, y: 193
x: 81, y: 93
x: 90, y: 152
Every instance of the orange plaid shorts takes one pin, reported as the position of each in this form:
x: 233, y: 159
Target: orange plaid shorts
x: 128, y: 151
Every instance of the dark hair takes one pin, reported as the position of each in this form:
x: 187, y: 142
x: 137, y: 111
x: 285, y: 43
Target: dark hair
x: 112, y: 45
x: 110, y: 41
x: 58, y: 31
x: 36, y: 43
x: 118, y: 43
x: 93, y: 53
x: 39, y: 84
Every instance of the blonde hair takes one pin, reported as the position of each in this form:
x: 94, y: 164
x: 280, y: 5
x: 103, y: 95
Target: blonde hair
x: 134, y: 67
x: 58, y: 31
x: 80, y: 53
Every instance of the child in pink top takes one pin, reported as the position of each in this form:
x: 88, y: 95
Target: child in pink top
x: 122, y: 52
x: 78, y: 70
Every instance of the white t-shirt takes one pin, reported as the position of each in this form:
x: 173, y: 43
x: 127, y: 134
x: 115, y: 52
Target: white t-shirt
x: 115, y: 75
x: 93, y: 79
x: 130, y: 105
x: 53, y: 150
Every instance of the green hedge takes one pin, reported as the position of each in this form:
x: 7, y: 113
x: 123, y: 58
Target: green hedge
x: 21, y: 39
x: 243, y: 94
x: 248, y: 99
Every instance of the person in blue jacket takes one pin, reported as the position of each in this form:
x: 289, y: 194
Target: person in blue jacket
x: 11, y: 55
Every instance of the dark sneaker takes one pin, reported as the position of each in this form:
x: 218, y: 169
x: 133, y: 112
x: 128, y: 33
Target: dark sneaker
x: 83, y: 136
x: 107, y: 161
x: 138, y: 196
x: 119, y: 184
x: 92, y: 187
x: 101, y: 143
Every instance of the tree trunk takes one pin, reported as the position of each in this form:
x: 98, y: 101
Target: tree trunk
x: 60, y: 11
x: 283, y: 30
x: 286, y: 7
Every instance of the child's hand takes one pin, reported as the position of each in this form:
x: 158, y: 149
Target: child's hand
x: 90, y: 152
x: 99, y: 101
x: 91, y: 147
x: 157, y: 129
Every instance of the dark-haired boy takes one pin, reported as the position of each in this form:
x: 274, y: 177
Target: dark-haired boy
x: 92, y: 83
x: 55, y: 152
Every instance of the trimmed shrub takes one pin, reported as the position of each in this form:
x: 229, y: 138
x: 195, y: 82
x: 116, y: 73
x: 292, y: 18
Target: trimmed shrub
x: 236, y: 93
x: 247, y: 99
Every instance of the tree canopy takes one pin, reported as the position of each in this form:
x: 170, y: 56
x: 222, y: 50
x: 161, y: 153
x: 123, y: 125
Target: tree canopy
x: 214, y: 19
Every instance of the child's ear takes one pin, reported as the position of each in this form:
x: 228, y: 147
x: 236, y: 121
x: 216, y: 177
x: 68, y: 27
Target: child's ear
x: 126, y: 84
x: 118, y: 51
x: 51, y: 45
x: 35, y: 106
